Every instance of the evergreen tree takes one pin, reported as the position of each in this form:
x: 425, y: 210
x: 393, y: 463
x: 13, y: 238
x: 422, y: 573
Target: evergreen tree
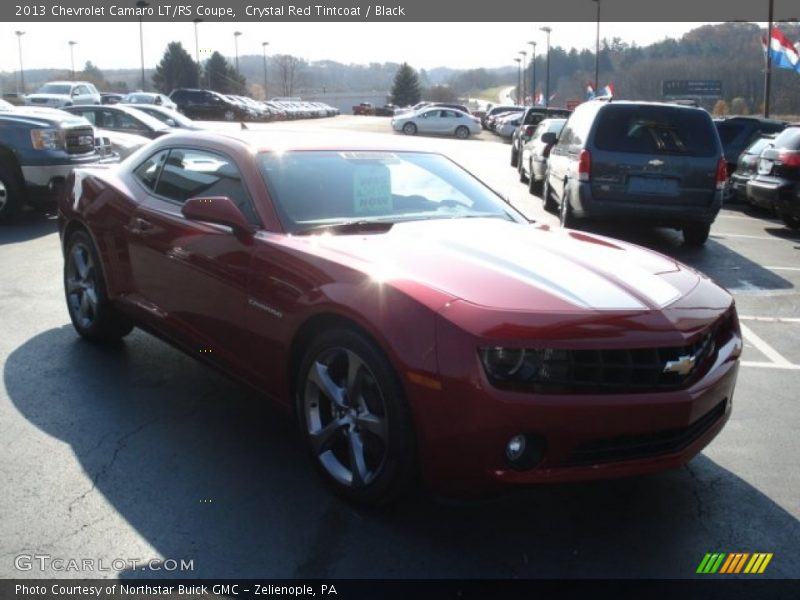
x: 176, y: 70
x: 405, y: 89
x: 221, y: 77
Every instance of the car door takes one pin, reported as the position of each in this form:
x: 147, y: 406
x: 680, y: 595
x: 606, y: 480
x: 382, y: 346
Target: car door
x: 192, y: 277
x: 427, y: 122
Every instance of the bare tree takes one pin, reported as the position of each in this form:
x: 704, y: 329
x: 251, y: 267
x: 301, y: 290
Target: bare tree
x: 288, y: 72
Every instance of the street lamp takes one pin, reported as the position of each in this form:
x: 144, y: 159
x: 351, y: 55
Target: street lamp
x: 72, y: 57
x: 533, y: 74
x: 21, y: 70
x: 197, y: 53
x: 264, y: 47
x: 768, y: 58
x: 524, y: 65
x: 236, y: 35
x: 597, y: 50
x: 519, y: 62
x: 141, y: 4
x: 547, y: 30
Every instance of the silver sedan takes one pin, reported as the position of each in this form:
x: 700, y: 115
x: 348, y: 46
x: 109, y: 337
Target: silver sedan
x: 445, y: 121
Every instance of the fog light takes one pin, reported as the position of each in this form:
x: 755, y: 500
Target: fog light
x: 515, y: 448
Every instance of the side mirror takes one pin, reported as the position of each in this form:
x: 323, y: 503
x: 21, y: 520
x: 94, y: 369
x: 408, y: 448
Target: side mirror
x: 171, y: 122
x: 549, y: 138
x: 219, y: 210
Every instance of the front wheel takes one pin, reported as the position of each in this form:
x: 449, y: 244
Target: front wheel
x: 547, y: 195
x: 534, y: 186
x: 790, y: 221
x: 462, y: 132
x: 565, y: 217
x: 90, y: 310
x: 696, y: 234
x: 410, y: 129
x: 355, y: 419
x: 514, y: 156
x: 11, y: 195
x: 229, y: 115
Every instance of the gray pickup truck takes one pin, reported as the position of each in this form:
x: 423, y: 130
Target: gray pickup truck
x: 39, y: 147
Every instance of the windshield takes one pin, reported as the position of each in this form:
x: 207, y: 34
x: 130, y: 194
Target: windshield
x: 314, y: 189
x: 55, y: 88
x: 139, y: 99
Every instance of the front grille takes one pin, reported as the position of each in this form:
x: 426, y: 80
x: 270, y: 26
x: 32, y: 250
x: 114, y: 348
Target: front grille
x: 80, y: 140
x: 39, y: 100
x: 617, y: 371
x: 632, y: 447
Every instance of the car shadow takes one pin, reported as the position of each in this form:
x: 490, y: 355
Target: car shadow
x: 28, y: 225
x: 201, y: 469
x: 726, y: 266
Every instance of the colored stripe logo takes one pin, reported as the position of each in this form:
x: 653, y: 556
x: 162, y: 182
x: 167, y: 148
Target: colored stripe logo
x: 734, y: 562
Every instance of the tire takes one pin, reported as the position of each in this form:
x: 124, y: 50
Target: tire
x: 410, y: 129
x: 534, y: 186
x: 351, y: 404
x: 229, y: 115
x: 90, y: 310
x: 547, y: 195
x: 462, y: 132
x: 696, y: 234
x: 12, y: 194
x: 565, y: 216
x: 514, y: 156
x: 790, y: 221
x: 522, y: 177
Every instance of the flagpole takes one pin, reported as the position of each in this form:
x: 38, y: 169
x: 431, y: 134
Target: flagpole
x: 768, y: 72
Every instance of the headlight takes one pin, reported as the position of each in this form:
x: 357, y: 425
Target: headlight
x: 526, y: 366
x: 47, y: 139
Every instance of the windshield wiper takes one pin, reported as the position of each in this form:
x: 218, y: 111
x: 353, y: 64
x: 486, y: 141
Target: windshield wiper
x: 356, y: 226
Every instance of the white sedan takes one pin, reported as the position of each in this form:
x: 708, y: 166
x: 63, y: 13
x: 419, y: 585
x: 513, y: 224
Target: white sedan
x: 446, y: 121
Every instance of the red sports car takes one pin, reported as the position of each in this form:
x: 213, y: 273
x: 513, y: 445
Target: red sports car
x: 411, y: 320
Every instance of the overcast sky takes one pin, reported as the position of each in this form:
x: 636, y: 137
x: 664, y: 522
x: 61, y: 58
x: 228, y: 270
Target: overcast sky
x: 423, y: 45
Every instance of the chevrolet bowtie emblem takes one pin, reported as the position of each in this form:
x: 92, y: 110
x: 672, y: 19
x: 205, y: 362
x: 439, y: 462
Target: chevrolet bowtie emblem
x: 682, y: 366
x: 656, y: 162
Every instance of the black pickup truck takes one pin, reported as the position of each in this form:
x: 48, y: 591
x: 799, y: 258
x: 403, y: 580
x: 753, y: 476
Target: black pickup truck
x: 39, y: 147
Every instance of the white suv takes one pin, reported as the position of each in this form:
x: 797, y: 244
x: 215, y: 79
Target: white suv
x: 64, y: 93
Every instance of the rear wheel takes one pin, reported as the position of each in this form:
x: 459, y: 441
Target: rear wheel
x: 790, y: 221
x: 410, y: 129
x: 229, y: 115
x: 355, y: 419
x: 696, y: 234
x: 514, y: 155
x: 565, y: 217
x: 534, y: 187
x: 462, y: 132
x: 11, y: 194
x: 91, y: 312
x: 547, y: 195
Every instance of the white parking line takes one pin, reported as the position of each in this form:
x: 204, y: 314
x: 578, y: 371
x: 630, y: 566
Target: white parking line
x: 718, y: 234
x: 769, y: 319
x: 778, y: 361
x: 783, y: 268
x: 769, y: 365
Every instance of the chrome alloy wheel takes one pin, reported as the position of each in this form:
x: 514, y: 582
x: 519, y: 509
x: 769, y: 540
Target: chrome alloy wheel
x: 81, y: 285
x: 3, y: 195
x: 346, y: 417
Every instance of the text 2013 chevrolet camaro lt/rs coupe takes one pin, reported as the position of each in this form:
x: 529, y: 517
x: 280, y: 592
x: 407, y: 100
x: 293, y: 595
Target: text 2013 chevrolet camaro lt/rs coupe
x: 411, y: 320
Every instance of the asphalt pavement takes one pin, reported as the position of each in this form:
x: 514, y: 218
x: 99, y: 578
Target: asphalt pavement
x: 137, y: 451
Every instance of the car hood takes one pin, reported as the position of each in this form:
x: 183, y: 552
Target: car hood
x: 504, y: 265
x: 48, y: 97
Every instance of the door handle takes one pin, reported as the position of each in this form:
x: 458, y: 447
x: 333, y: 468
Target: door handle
x: 139, y: 226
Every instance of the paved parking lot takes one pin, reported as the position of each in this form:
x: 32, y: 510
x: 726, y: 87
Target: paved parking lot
x: 137, y: 451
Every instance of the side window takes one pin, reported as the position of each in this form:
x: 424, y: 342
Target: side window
x: 81, y: 90
x: 147, y: 172
x: 566, y: 137
x: 90, y: 116
x: 190, y: 173
x: 123, y: 121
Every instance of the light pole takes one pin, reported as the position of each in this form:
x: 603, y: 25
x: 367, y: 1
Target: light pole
x: 19, y: 35
x: 264, y: 47
x: 236, y: 35
x: 533, y: 73
x: 72, y: 57
x: 597, y: 51
x: 197, y: 52
x: 141, y: 4
x: 768, y: 71
x: 519, y: 62
x: 547, y: 30
x: 524, y: 65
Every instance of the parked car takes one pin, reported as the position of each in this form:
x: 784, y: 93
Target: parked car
x: 493, y: 120
x: 387, y: 110
x: 507, y: 125
x: 56, y: 94
x: 206, y: 105
x: 364, y: 109
x: 39, y: 147
x: 737, y: 133
x: 150, y: 98
x: 777, y: 184
x: 460, y: 107
x: 118, y: 143
x: 111, y: 98
x: 535, y: 153
x: 122, y: 118
x: 746, y: 169
x: 652, y: 163
x: 445, y: 121
x: 171, y: 118
x: 536, y: 355
x: 531, y: 117
x: 493, y: 111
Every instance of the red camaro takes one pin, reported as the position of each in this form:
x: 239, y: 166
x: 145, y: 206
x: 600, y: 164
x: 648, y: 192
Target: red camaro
x: 410, y: 319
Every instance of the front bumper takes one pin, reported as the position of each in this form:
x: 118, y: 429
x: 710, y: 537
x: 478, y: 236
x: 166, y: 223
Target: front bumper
x: 44, y: 182
x: 464, y: 428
